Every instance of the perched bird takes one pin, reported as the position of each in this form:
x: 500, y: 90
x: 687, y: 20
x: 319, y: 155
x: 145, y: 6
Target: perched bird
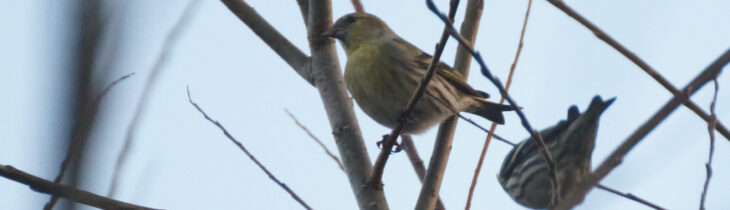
x: 383, y: 71
x: 524, y: 174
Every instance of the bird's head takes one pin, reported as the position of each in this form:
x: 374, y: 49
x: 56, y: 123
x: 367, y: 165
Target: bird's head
x: 356, y: 28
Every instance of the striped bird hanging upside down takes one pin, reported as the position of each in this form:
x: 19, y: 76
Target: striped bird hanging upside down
x: 524, y: 174
x: 383, y: 71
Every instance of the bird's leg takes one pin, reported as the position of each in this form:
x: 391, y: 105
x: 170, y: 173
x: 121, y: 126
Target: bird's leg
x: 397, y: 145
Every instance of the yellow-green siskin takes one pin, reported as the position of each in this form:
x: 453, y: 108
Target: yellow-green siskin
x: 383, y: 71
x: 524, y: 173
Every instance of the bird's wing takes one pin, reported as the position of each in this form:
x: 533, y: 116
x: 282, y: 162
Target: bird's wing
x: 529, y: 147
x: 448, y: 73
x: 422, y: 60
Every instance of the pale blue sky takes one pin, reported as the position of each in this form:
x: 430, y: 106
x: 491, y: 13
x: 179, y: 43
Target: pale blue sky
x: 181, y: 161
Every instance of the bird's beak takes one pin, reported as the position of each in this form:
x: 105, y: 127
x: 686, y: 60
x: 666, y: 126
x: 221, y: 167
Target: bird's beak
x: 330, y: 32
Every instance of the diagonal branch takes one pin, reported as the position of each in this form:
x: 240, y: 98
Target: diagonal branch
x: 618, y: 155
x: 276, y: 41
x: 535, y: 136
x: 375, y: 180
x: 410, y: 148
x: 630, y: 197
x: 250, y: 156
x: 338, y: 105
x: 429, y: 195
x: 323, y: 71
x: 643, y: 65
x: 144, y: 99
x: 304, y: 8
x: 44, y: 186
x: 493, y: 127
x: 309, y: 133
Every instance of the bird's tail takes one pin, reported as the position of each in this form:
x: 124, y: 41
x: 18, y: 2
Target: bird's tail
x: 490, y: 111
x: 598, y: 105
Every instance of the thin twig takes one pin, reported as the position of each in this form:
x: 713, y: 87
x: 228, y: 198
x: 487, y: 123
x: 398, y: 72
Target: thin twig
x: 643, y: 65
x: 493, y: 127
x: 333, y: 156
x: 629, y: 196
x: 170, y: 41
x: 250, y: 156
x: 617, y: 156
x: 110, y: 86
x: 277, y: 42
x: 44, y: 186
x: 711, y: 130
x: 66, y: 162
x: 470, y: 121
x: 410, y: 148
x: 375, y: 180
x: 526, y: 124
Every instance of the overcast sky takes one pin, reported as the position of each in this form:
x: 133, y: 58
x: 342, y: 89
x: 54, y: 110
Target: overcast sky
x: 181, y: 161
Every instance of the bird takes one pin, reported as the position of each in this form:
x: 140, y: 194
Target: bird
x: 524, y: 174
x: 383, y: 71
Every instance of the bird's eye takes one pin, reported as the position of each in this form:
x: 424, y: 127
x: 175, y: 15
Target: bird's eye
x: 350, y: 19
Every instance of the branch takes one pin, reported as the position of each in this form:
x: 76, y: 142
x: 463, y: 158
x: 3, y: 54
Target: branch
x: 618, y: 155
x: 643, y: 65
x: 277, y: 42
x: 429, y: 195
x: 333, y: 156
x: 503, y: 140
x: 44, y: 186
x: 168, y: 44
x: 629, y: 196
x: 304, y: 8
x: 493, y: 127
x: 357, y: 6
x: 711, y: 130
x: 417, y: 163
x: 535, y: 136
x: 375, y: 180
x: 338, y: 105
x: 74, y: 154
x: 250, y: 156
x: 85, y: 44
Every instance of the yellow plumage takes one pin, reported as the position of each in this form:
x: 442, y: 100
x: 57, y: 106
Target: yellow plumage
x: 383, y: 71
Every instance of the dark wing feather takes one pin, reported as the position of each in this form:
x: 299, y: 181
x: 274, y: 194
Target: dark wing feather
x: 448, y: 73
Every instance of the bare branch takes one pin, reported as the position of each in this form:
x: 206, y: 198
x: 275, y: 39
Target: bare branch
x: 44, y: 186
x: 304, y: 8
x: 66, y: 162
x: 444, y: 138
x: 503, y: 140
x: 250, y: 156
x: 493, y: 127
x: 338, y: 105
x: 277, y: 42
x: 85, y: 50
x: 417, y: 163
x: 711, y: 130
x: 629, y: 196
x: 526, y: 124
x: 375, y: 180
x: 643, y: 65
x: 357, y: 6
x: 170, y: 41
x: 333, y: 156
x: 618, y: 155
